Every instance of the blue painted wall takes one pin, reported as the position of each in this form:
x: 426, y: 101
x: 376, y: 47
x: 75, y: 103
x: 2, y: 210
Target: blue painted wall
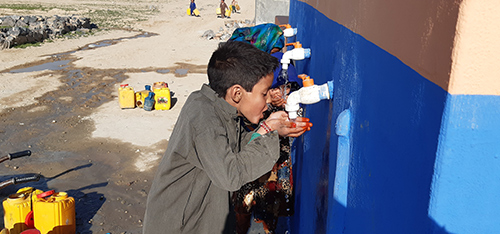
x: 466, y: 184
x: 396, y: 119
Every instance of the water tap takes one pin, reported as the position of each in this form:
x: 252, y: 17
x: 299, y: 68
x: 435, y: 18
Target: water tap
x: 288, y: 31
x: 298, y: 53
x: 309, y: 94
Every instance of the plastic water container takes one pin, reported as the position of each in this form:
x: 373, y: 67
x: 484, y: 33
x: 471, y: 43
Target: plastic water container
x: 141, y: 96
x: 159, y: 85
x: 55, y: 214
x: 149, y: 102
x: 16, y: 207
x: 228, y: 12
x: 162, y: 99
x: 195, y: 12
x: 126, y: 96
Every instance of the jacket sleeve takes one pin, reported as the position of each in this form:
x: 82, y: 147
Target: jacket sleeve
x: 230, y: 170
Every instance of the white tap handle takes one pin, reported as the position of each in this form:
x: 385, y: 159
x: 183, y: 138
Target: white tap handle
x: 290, y: 32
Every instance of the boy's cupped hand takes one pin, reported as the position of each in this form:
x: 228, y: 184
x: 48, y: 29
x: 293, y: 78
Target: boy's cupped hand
x: 279, y: 121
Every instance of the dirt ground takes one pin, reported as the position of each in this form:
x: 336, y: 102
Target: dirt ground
x: 60, y: 101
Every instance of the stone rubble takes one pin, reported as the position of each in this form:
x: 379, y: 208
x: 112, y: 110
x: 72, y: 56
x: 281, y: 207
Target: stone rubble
x: 17, y: 30
x: 225, y: 32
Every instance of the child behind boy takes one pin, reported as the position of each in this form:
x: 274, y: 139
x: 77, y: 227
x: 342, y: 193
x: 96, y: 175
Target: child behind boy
x: 209, y: 153
x: 271, y: 196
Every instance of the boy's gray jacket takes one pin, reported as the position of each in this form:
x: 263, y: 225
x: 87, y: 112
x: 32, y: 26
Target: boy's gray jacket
x: 208, y: 155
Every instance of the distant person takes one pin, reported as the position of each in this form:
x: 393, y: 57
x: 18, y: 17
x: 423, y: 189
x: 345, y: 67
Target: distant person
x: 209, y: 153
x: 223, y: 8
x: 192, y: 11
x: 192, y: 6
x: 233, y: 6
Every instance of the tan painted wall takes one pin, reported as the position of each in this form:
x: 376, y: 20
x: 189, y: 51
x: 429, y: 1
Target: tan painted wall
x: 476, y: 66
x: 421, y: 33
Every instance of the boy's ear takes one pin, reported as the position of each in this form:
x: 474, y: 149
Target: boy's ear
x: 235, y: 93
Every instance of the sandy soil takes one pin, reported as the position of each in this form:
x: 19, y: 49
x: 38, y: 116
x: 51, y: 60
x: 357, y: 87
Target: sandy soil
x: 60, y: 101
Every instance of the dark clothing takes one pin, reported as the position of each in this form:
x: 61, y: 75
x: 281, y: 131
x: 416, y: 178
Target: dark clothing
x: 271, y: 195
x: 223, y: 8
x: 208, y: 155
x: 192, y: 6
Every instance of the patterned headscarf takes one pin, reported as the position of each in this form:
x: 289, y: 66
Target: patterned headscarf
x: 263, y: 36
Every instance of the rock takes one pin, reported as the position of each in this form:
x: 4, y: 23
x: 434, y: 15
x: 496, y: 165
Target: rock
x: 225, y: 32
x: 209, y: 34
x: 39, y: 18
x: 21, y: 40
x: 18, y: 30
x: 225, y: 36
x: 15, y: 17
x: 83, y: 30
x: 31, y: 20
x: 8, y: 21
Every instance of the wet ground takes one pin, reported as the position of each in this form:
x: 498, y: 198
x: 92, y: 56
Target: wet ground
x: 110, y: 192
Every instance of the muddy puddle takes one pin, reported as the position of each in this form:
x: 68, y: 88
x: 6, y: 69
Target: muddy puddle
x: 52, y: 66
x: 181, y: 72
x: 110, y: 193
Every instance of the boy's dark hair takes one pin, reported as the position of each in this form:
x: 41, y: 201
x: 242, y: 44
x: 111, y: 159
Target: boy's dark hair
x: 236, y: 62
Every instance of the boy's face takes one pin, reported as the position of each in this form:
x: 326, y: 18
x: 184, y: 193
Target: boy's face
x: 254, y: 103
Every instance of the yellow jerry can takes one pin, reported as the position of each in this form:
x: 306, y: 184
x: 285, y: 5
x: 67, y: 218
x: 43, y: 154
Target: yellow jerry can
x: 162, y: 99
x: 126, y: 96
x: 16, y: 207
x: 196, y: 12
x: 188, y: 11
x: 218, y: 10
x: 54, y: 214
x: 228, y: 13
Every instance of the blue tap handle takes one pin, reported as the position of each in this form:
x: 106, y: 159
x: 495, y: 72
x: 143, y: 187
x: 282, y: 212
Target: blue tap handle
x: 330, y: 88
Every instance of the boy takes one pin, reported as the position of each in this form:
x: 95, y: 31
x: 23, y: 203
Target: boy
x: 209, y: 153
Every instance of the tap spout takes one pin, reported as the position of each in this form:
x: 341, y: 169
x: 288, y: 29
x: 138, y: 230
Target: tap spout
x: 307, y: 95
x: 298, y: 53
